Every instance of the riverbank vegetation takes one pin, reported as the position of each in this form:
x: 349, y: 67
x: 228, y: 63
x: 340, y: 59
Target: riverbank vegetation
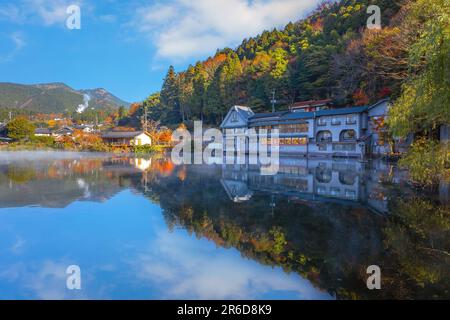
x: 22, y: 135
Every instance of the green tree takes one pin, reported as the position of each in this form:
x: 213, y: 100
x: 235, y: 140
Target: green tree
x: 20, y: 128
x: 424, y: 104
x: 170, y: 96
x: 425, y: 101
x: 122, y: 112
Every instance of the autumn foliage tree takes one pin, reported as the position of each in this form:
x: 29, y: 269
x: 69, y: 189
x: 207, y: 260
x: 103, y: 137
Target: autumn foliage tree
x: 20, y: 128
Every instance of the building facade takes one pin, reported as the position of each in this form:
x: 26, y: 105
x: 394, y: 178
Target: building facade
x: 313, y: 129
x: 137, y: 138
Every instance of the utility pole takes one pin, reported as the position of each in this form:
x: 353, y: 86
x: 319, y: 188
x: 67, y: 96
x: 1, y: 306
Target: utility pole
x: 10, y: 116
x: 273, y: 101
x: 145, y: 122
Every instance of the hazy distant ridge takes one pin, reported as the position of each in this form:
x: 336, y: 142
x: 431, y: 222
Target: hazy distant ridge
x: 55, y: 98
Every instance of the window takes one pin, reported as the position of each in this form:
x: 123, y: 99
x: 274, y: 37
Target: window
x: 351, y: 119
x: 344, y: 147
x: 294, y: 128
x: 347, y: 178
x: 323, y: 175
x: 299, y: 141
x: 335, y: 122
x: 350, y: 194
x: 335, y: 192
x: 234, y: 117
x: 321, y: 190
x: 321, y: 122
x: 324, y: 136
x: 347, y: 135
x: 323, y: 147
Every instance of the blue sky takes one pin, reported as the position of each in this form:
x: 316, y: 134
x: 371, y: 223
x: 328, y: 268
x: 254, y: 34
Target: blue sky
x: 127, y: 46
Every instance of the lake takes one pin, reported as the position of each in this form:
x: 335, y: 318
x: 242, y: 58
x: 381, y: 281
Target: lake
x: 144, y: 228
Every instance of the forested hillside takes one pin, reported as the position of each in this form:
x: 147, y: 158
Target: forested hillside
x: 330, y: 54
x: 53, y: 98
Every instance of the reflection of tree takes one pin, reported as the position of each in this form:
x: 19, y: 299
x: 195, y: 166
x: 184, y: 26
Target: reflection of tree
x: 327, y: 243
x: 310, y: 240
x: 419, y: 236
x: 19, y: 174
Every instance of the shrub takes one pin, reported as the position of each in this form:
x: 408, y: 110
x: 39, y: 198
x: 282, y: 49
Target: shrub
x: 147, y: 149
x: 42, y: 140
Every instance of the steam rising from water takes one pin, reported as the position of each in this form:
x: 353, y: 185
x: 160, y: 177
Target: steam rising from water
x: 82, y: 107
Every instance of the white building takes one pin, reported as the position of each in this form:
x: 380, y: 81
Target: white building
x: 313, y: 129
x: 134, y: 138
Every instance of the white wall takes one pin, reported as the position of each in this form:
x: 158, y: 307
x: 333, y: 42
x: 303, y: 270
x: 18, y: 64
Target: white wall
x: 337, y: 129
x: 239, y: 123
x: 144, y: 140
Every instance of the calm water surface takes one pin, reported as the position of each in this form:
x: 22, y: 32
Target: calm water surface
x: 147, y: 229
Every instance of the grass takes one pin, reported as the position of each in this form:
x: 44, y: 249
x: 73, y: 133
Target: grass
x: 45, y: 144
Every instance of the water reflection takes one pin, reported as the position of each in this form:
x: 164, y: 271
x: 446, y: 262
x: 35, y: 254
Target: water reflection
x: 145, y: 228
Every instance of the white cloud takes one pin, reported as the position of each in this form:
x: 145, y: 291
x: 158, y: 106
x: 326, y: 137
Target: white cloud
x: 183, y: 29
x: 189, y: 271
x: 10, y: 12
x: 18, y: 41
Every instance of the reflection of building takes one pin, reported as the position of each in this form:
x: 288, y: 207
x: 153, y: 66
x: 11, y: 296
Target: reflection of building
x: 236, y: 187
x: 307, y: 179
x: 312, y: 129
x: 141, y: 163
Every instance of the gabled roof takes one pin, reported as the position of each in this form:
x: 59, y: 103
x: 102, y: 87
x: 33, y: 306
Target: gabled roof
x: 379, y: 102
x: 122, y: 135
x: 244, y: 113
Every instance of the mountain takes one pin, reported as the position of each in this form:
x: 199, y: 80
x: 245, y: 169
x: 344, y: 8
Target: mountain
x: 56, y: 98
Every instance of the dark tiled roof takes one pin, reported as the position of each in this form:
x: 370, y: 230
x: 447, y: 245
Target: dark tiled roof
x: 42, y: 131
x: 335, y: 112
x: 289, y: 117
x: 121, y: 135
x: 64, y: 130
x: 298, y: 115
x: 267, y: 115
